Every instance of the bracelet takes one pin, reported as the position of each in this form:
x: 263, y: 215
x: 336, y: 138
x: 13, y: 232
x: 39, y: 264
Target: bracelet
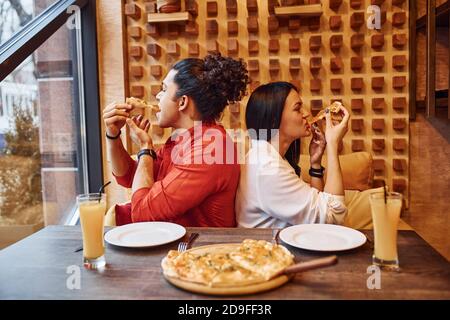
x: 321, y: 170
x: 149, y: 152
x: 115, y: 137
x: 316, y: 173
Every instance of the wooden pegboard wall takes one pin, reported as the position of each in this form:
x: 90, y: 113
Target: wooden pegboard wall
x: 332, y: 57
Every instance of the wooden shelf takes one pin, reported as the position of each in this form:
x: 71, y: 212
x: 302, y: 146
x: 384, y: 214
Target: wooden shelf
x: 309, y: 10
x: 168, y: 17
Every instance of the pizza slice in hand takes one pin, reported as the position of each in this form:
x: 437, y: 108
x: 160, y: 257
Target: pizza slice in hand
x: 141, y: 104
x: 334, y: 109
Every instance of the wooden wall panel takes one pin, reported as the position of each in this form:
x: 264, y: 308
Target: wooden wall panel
x: 442, y: 58
x: 421, y: 8
x: 276, y: 43
x: 430, y: 177
x: 112, y: 76
x: 421, y: 51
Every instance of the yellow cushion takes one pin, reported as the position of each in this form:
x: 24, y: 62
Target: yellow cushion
x: 359, y: 215
x: 110, y: 217
x: 357, y: 170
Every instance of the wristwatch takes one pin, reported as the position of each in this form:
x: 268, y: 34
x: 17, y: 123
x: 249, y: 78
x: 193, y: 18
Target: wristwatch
x: 316, y: 173
x: 149, y: 152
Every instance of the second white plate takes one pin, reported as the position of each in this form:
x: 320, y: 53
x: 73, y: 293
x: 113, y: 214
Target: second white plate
x: 322, y: 237
x: 144, y: 234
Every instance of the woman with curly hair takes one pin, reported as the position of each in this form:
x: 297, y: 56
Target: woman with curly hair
x: 179, y: 182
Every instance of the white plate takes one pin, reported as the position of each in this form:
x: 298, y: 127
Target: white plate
x: 144, y: 234
x: 322, y: 237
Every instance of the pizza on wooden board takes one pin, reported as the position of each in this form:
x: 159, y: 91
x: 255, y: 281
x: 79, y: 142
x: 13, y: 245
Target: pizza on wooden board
x: 252, y: 261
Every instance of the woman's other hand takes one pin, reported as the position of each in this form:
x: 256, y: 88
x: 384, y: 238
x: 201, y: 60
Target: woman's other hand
x: 317, y: 146
x: 335, y: 132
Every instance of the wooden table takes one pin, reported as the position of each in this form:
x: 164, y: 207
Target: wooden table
x: 36, y: 268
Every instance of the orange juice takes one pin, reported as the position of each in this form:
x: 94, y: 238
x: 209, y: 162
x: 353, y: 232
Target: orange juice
x: 385, y: 222
x: 91, y: 216
x: 92, y: 212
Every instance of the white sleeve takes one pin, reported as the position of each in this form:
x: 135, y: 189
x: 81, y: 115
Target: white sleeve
x: 283, y: 195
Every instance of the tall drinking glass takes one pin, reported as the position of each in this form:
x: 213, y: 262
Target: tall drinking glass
x: 92, y: 213
x: 386, y: 211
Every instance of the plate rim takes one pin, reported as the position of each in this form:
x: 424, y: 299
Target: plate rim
x: 135, y: 224
x: 317, y: 225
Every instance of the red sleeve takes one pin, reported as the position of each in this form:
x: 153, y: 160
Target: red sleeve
x: 157, y: 162
x: 127, y: 179
x: 185, y: 187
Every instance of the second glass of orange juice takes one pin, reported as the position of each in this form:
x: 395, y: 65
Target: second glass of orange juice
x: 386, y: 215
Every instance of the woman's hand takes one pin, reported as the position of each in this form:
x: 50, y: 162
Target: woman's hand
x: 139, y: 131
x: 335, y: 133
x: 316, y: 146
x: 115, y: 116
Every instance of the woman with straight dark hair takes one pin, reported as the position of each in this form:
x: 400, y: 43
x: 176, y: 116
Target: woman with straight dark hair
x: 271, y: 193
x: 179, y: 182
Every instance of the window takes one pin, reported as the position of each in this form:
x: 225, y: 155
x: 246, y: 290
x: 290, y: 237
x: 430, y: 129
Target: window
x: 49, y: 145
x: 14, y: 14
x: 41, y: 169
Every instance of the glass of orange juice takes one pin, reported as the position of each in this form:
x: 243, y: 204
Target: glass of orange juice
x: 92, y: 208
x: 386, y: 209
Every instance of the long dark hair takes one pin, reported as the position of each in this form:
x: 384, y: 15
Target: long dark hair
x: 212, y: 83
x: 264, y: 110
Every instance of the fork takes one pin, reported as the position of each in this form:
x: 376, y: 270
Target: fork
x: 275, y: 235
x: 184, y: 245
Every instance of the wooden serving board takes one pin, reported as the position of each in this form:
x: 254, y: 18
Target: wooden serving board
x: 238, y: 289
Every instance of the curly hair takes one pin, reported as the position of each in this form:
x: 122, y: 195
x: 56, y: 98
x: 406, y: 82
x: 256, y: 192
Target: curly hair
x: 212, y: 83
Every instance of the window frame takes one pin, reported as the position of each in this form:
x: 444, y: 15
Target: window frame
x: 91, y: 96
x: 28, y: 39
x: 31, y: 36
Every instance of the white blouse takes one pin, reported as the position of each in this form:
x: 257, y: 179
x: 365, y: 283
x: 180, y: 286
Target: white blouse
x: 271, y: 195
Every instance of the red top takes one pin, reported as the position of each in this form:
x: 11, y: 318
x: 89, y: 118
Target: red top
x: 195, y: 182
